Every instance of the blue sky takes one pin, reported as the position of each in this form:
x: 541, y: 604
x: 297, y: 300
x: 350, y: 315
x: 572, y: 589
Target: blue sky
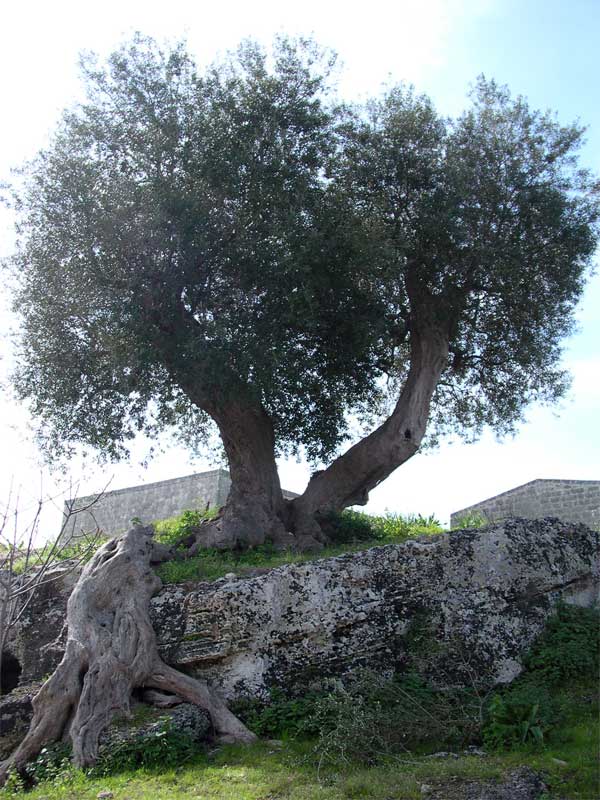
x: 545, y: 50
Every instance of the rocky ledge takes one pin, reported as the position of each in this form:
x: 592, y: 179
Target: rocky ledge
x: 456, y: 605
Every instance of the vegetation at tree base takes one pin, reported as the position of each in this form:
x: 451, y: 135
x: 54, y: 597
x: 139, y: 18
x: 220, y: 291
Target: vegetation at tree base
x: 237, y: 248
x: 348, y: 532
x: 373, y: 738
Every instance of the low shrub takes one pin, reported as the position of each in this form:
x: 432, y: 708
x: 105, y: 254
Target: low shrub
x: 350, y: 527
x: 471, y: 519
x: 171, y: 531
x: 395, y: 528
x: 162, y: 745
x: 371, y: 717
x: 568, y: 648
x: 533, y: 707
x: 522, y: 714
x: 282, y: 716
x: 53, y: 764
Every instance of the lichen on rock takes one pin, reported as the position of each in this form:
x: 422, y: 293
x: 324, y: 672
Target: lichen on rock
x: 485, y: 594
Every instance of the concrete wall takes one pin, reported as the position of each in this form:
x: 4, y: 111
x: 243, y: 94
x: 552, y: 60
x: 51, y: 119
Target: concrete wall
x: 572, y: 501
x: 149, y: 502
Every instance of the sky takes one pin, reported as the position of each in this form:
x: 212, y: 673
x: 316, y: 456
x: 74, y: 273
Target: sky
x: 545, y: 50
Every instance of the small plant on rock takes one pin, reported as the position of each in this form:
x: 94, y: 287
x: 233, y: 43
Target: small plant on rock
x: 471, y: 519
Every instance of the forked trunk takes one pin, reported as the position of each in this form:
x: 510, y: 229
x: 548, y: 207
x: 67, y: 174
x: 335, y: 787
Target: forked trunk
x: 111, y: 650
x: 256, y: 510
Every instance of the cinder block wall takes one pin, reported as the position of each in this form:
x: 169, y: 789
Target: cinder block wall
x: 114, y: 511
x: 571, y: 501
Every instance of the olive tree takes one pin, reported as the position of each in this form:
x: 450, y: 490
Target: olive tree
x: 235, y: 247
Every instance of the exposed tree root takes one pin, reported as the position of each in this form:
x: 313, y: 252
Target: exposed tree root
x: 252, y: 524
x: 111, y: 650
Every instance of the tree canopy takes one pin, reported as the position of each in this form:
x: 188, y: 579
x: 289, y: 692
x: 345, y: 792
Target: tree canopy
x: 236, y: 244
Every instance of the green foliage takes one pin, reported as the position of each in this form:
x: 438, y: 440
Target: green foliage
x: 171, y: 531
x: 81, y: 550
x: 212, y: 564
x: 349, y: 526
x: 471, y: 519
x: 370, y: 717
x: 568, y: 648
x: 360, y: 719
x: 237, y: 234
x: 520, y: 715
x: 393, y: 528
x: 282, y: 716
x: 566, y: 652
x: 236, y: 268
x: 162, y: 745
x: 51, y: 766
x: 389, y: 528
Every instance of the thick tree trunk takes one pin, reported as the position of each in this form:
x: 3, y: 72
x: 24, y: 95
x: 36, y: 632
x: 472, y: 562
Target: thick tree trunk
x: 111, y: 650
x: 350, y: 478
x: 255, y: 511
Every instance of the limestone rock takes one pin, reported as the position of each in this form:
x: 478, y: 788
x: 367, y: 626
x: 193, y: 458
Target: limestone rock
x: 521, y: 784
x: 485, y: 594
x: 15, y: 714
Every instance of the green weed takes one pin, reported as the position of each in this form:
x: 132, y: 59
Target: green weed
x: 569, y: 646
x: 162, y: 745
x: 471, y: 519
x: 171, y: 531
x: 349, y: 532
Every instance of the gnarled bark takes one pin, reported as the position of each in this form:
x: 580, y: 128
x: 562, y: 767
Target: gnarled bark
x: 256, y: 510
x: 111, y: 650
x: 350, y: 478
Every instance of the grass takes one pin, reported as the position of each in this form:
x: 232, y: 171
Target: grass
x: 213, y: 564
x: 349, y: 532
x: 268, y: 772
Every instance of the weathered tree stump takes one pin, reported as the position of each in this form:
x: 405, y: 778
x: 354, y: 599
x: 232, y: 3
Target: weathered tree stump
x: 111, y: 650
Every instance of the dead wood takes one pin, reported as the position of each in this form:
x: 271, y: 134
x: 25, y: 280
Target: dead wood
x: 111, y: 650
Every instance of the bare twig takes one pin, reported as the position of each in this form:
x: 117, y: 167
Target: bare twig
x: 25, y: 568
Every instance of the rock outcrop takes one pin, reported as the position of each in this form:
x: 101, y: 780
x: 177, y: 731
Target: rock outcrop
x: 469, y: 601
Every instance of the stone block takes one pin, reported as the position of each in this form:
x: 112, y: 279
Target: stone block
x: 480, y: 596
